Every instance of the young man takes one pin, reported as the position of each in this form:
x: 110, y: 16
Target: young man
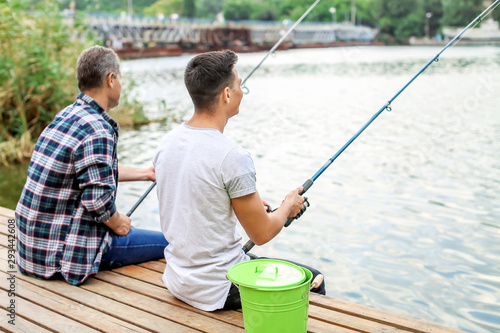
x: 206, y: 184
x: 67, y: 219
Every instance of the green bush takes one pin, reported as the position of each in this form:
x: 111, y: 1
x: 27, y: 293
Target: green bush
x: 38, y: 53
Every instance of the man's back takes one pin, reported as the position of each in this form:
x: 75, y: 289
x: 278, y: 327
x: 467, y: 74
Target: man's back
x: 56, y: 212
x: 199, y: 171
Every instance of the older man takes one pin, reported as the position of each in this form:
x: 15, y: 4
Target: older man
x: 67, y: 218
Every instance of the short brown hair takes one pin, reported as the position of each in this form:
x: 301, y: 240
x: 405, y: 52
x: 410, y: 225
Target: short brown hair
x: 207, y: 75
x: 94, y: 65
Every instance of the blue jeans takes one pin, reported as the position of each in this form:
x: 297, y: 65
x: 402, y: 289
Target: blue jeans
x: 139, y: 245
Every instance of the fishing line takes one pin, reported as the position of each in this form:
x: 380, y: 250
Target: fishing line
x: 245, y: 89
x: 278, y: 43
x: 387, y: 107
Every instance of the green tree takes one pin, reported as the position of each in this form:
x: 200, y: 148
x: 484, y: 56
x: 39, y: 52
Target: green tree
x: 460, y: 12
x: 209, y: 8
x: 400, y: 19
x: 435, y: 7
x: 239, y: 9
x: 165, y: 7
x: 189, y: 9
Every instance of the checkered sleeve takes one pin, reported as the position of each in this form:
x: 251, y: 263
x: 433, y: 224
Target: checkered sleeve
x: 94, y: 171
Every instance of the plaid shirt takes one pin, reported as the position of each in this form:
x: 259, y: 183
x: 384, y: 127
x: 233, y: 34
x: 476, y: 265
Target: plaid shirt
x: 70, y: 190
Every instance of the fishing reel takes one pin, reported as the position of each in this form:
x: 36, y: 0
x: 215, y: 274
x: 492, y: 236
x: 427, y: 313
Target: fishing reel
x: 305, y: 204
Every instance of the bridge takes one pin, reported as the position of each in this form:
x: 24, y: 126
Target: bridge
x: 177, y: 36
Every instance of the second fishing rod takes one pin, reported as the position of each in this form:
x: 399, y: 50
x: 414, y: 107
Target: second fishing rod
x: 387, y: 107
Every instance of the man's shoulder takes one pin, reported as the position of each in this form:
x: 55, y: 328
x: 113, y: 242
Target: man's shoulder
x: 81, y: 120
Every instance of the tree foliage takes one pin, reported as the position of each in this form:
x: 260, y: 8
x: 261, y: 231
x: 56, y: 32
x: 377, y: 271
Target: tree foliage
x: 189, y: 9
x: 165, y: 7
x: 460, y: 12
x: 38, y: 54
x: 397, y: 19
x: 37, y: 79
x: 240, y: 9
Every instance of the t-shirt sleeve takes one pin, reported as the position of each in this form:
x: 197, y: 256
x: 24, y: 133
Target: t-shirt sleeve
x: 238, y: 173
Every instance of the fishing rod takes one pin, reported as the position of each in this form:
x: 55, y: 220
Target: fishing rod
x: 278, y: 43
x: 387, y: 107
x: 141, y: 199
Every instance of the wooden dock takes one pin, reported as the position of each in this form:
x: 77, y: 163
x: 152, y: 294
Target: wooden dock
x: 134, y: 299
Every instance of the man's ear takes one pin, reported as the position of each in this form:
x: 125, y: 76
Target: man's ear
x: 226, y: 94
x: 110, y: 80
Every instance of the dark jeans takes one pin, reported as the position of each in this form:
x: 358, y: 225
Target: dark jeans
x: 233, y: 301
x: 139, y: 245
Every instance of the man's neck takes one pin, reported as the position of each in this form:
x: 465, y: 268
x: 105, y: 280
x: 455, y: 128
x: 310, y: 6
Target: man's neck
x: 208, y: 120
x: 99, y: 98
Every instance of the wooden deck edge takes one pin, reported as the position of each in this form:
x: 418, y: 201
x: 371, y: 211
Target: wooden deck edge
x: 153, y: 278
x: 149, y: 273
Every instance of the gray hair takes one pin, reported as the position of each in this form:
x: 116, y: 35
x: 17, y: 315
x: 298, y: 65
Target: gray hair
x: 94, y: 65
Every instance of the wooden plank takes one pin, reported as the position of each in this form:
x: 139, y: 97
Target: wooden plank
x: 386, y: 318
x: 68, y: 308
x: 5, y: 231
x: 4, y: 239
x: 156, y: 266
x: 21, y: 324
x: 7, y: 213
x: 48, y: 319
x: 348, y: 321
x: 160, y: 308
x: 162, y: 294
x: 317, y: 326
x: 141, y: 274
x: 108, y: 306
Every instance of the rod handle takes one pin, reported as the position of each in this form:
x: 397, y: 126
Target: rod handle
x: 308, y: 183
x: 318, y: 280
x: 248, y: 246
x: 304, y: 207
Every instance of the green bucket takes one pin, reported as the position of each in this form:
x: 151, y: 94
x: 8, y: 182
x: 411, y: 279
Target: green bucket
x: 274, y: 295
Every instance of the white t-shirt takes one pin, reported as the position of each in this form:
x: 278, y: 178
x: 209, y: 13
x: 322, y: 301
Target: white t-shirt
x: 198, y: 172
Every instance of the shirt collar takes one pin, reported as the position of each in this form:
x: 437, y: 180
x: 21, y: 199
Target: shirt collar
x: 89, y: 100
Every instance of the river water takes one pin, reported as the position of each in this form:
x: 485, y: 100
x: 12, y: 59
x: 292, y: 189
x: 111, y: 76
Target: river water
x: 407, y: 219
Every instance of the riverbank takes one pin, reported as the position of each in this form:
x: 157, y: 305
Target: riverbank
x: 174, y: 51
x: 149, y: 38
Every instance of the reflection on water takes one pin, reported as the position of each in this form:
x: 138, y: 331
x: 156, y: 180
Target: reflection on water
x: 407, y: 219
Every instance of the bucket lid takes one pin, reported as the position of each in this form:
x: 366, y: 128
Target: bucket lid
x: 266, y: 274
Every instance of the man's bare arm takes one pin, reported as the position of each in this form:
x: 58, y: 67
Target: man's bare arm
x: 131, y: 174
x: 259, y: 225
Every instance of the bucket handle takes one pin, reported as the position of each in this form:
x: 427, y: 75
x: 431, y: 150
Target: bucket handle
x: 318, y: 280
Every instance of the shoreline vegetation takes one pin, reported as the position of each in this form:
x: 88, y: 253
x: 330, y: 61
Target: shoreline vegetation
x: 38, y: 53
